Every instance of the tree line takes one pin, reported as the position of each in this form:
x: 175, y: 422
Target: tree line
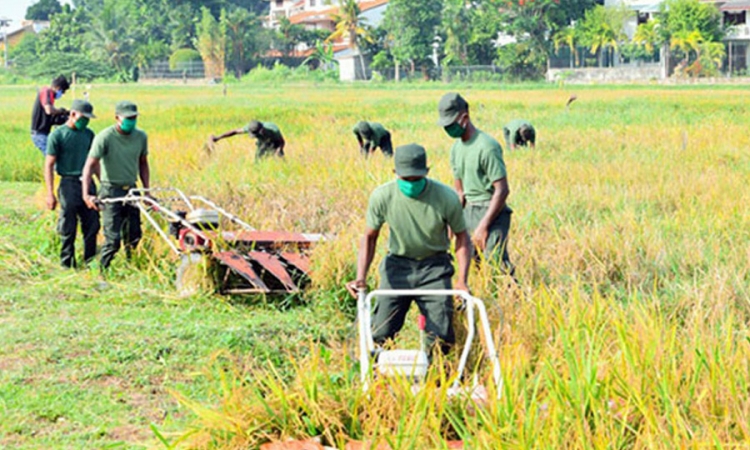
x: 116, y: 38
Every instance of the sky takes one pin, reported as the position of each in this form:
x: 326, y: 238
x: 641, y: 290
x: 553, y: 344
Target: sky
x: 16, y: 10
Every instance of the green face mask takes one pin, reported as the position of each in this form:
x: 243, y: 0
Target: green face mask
x: 82, y: 123
x: 412, y: 189
x: 455, y: 130
x: 127, y: 125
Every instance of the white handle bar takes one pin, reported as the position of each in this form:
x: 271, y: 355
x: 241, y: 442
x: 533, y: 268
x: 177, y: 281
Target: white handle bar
x: 366, y: 344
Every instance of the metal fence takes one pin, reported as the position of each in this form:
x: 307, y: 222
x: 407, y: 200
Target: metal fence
x: 184, y: 70
x: 564, y: 58
x: 485, y: 73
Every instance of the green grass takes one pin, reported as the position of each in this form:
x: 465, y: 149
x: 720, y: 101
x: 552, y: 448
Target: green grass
x: 85, y: 365
x: 630, y: 237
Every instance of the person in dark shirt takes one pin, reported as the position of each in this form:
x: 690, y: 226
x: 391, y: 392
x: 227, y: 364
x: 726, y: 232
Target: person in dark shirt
x: 268, y: 138
x: 44, y: 113
x: 68, y: 148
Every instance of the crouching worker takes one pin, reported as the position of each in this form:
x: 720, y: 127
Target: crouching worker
x: 519, y: 133
x: 372, y: 135
x: 418, y: 211
x: 268, y: 138
x: 67, y: 149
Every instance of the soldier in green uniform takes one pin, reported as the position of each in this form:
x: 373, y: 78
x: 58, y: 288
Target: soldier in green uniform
x: 480, y: 179
x: 121, y: 152
x: 519, y: 132
x: 418, y: 211
x: 67, y: 149
x: 372, y: 135
x: 268, y: 138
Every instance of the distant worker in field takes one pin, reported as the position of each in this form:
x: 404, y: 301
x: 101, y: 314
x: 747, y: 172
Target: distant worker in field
x: 67, y: 149
x: 372, y: 135
x: 519, y: 133
x: 268, y: 138
x: 121, y: 152
x: 418, y: 211
x: 44, y: 114
x: 480, y: 179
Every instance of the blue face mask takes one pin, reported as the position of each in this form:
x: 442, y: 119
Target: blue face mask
x: 58, y: 94
x: 411, y: 189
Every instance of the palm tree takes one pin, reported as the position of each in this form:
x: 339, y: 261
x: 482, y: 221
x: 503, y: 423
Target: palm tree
x: 109, y: 37
x: 567, y: 36
x: 602, y: 27
x: 351, y: 25
x: 647, y: 35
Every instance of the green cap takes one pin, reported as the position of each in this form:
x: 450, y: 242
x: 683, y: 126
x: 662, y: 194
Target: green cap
x: 411, y: 161
x: 450, y: 106
x: 126, y: 109
x: 83, y: 107
x: 254, y: 126
x: 364, y: 128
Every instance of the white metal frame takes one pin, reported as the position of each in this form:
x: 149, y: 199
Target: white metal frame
x: 474, y: 306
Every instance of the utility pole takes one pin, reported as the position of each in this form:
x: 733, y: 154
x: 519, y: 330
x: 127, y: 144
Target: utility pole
x: 4, y: 24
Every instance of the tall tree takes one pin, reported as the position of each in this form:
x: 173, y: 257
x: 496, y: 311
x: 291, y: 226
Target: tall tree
x: 603, y: 28
x: 65, y: 33
x: 569, y: 37
x: 110, y: 37
x: 246, y: 36
x: 412, y: 27
x: 456, y: 15
x: 211, y: 42
x: 533, y: 23
x: 43, y: 10
x: 350, y: 25
x: 694, y: 32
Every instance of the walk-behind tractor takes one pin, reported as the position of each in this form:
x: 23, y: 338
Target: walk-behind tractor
x: 246, y: 261
x: 413, y: 364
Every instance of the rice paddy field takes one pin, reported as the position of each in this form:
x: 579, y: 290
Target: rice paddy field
x: 628, y: 328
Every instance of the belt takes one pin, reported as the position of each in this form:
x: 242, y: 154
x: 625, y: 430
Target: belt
x: 426, y: 258
x: 125, y: 187
x: 72, y: 177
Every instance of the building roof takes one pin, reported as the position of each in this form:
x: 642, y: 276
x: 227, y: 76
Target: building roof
x: 736, y: 5
x: 327, y: 14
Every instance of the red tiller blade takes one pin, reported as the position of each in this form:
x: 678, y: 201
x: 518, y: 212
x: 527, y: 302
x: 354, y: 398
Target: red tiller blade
x: 238, y: 264
x: 273, y: 265
x: 301, y: 262
x: 272, y: 237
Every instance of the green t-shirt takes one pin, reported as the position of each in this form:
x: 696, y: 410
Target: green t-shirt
x: 478, y: 163
x: 510, y: 131
x: 119, y: 154
x: 70, y: 148
x: 376, y: 137
x: 270, y: 141
x: 418, y: 226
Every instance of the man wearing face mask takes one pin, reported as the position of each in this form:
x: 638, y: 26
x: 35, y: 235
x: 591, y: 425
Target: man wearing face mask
x: 121, y: 152
x: 418, y: 211
x: 67, y: 149
x: 268, y: 138
x: 44, y: 114
x: 480, y: 179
